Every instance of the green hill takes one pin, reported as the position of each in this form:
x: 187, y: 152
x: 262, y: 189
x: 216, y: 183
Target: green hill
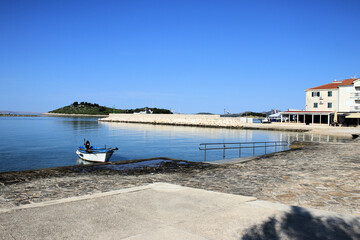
x: 96, y: 109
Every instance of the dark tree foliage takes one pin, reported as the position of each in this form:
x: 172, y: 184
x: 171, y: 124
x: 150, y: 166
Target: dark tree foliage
x: 253, y: 114
x: 154, y: 110
x: 94, y: 108
x: 162, y: 111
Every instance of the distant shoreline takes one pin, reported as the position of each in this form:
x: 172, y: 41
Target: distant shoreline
x: 72, y: 115
x: 52, y: 115
x: 20, y: 115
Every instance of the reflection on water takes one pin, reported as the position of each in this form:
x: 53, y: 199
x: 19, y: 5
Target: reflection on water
x: 218, y: 133
x: 306, y: 137
x: 79, y: 123
x: 176, y: 131
x: 40, y: 142
x: 183, y: 142
x: 79, y: 161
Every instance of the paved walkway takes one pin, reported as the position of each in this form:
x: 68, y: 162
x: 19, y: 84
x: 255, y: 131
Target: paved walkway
x: 167, y: 211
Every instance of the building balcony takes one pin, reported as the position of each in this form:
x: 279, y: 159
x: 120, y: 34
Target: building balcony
x: 355, y: 95
x: 355, y: 108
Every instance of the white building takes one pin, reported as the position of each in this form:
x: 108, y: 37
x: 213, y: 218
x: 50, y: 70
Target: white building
x: 337, y: 102
x: 349, y: 95
x: 342, y: 96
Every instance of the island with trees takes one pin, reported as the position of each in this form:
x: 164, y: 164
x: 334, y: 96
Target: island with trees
x: 96, y: 109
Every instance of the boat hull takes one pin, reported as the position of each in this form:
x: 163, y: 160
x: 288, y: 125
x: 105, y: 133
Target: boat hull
x: 95, y: 157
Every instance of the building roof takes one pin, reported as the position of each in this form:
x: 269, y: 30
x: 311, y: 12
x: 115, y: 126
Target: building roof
x: 348, y: 82
x: 332, y: 85
x: 335, y: 84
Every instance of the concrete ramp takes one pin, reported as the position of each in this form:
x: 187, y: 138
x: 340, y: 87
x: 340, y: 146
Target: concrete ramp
x: 166, y: 211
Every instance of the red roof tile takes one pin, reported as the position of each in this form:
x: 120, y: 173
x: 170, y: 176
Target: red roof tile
x: 347, y: 82
x: 333, y: 85
x: 327, y: 86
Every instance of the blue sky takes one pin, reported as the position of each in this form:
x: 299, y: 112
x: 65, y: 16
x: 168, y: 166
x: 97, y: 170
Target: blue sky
x: 190, y: 56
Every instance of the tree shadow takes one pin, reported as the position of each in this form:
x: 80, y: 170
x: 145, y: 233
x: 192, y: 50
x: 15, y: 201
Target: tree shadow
x: 300, y: 224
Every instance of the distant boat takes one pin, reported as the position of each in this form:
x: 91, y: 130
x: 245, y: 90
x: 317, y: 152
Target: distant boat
x: 266, y: 120
x: 95, y: 154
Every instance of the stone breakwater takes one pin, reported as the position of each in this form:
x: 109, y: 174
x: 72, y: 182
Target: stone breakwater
x: 197, y: 120
x: 215, y: 121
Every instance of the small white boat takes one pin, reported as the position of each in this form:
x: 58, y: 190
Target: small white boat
x: 266, y: 120
x: 95, y: 154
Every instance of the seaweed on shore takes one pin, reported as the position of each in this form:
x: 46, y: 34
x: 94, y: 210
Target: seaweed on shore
x: 161, y: 166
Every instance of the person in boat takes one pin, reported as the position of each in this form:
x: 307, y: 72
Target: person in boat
x: 88, y: 147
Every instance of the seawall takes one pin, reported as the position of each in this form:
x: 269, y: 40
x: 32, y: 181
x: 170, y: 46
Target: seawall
x: 197, y: 120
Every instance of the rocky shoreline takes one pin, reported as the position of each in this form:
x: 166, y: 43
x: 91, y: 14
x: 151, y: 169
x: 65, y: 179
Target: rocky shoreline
x: 316, y: 175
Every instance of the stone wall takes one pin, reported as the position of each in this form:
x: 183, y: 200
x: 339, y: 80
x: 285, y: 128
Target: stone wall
x: 179, y: 119
x: 200, y: 121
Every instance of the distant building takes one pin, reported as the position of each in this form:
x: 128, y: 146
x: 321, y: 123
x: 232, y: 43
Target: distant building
x: 342, y: 96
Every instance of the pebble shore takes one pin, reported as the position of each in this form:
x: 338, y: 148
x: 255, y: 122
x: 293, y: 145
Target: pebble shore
x: 316, y: 175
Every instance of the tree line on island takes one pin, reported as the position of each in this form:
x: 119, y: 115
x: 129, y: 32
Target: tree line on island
x: 96, y: 109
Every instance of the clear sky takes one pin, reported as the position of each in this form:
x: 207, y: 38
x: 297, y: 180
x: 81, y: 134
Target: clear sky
x: 188, y: 55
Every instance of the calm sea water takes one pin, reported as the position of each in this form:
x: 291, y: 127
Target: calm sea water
x: 41, y: 142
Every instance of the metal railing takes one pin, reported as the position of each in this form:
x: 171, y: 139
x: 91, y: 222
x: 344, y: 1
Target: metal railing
x: 241, y: 145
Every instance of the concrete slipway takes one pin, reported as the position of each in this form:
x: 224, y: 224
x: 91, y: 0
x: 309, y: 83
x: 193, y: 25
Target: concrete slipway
x: 166, y: 211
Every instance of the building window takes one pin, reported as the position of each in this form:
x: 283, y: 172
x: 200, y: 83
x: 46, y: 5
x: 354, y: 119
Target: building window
x: 330, y: 105
x: 329, y: 93
x: 315, y: 94
x: 316, y: 105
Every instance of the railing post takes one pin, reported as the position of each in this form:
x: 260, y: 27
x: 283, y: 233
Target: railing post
x: 276, y: 144
x: 224, y: 152
x: 265, y: 147
x: 239, y: 150
x: 205, y: 154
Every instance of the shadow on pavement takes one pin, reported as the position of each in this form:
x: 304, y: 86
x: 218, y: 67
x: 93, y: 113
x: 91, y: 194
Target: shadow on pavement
x: 300, y: 224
